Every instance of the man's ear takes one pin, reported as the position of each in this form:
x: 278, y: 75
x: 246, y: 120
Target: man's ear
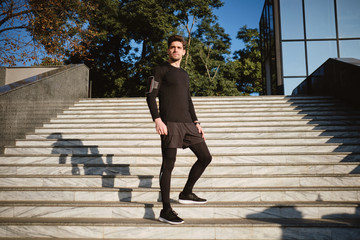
x: 184, y: 53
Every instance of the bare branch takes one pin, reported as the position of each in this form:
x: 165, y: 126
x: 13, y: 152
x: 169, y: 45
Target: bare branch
x: 55, y: 27
x: 11, y: 15
x: 217, y: 69
x: 13, y: 28
x: 206, y: 63
x: 206, y: 66
x: 189, y: 39
x: 208, y: 55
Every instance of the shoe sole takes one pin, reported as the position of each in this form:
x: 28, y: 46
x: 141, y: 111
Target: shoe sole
x: 190, y: 202
x: 167, y: 221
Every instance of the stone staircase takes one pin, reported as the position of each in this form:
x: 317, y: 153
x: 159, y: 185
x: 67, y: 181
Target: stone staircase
x: 283, y: 168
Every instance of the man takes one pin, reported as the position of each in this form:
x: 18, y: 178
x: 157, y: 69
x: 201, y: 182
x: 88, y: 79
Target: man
x: 178, y: 126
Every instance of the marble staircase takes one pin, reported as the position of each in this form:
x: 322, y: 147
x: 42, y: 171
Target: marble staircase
x: 283, y: 168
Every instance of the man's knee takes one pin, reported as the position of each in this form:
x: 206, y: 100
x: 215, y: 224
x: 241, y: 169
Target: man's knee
x: 169, y: 166
x: 206, y: 160
x: 169, y: 158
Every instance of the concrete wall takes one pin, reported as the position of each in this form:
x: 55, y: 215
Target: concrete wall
x: 2, y: 76
x: 27, y: 104
x: 14, y: 74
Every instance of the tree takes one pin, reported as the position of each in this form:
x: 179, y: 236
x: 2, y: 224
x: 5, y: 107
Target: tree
x: 131, y: 34
x: 48, y: 61
x: 246, y: 67
x: 122, y: 40
x: 132, y: 40
x: 14, y: 19
x: 207, y: 60
x: 59, y: 27
x: 189, y: 12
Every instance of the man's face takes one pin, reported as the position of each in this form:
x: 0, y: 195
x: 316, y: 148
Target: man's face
x: 176, y: 51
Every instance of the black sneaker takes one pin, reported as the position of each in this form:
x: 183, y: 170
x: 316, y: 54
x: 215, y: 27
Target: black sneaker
x: 170, y: 216
x: 191, y: 199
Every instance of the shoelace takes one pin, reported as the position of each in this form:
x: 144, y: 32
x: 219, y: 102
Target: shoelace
x: 174, y: 212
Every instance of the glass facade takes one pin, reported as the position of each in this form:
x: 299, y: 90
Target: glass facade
x: 292, y: 82
x: 348, y: 18
x: 267, y: 44
x: 319, y: 52
x: 320, y: 19
x: 293, y: 56
x: 310, y: 32
x: 292, y: 25
x: 350, y: 48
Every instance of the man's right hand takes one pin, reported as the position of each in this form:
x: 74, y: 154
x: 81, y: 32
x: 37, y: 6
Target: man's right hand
x: 160, y: 126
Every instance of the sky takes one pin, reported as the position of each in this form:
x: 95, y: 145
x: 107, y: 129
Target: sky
x: 237, y: 13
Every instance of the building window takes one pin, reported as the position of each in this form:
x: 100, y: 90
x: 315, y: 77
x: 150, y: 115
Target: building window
x: 294, y: 58
x: 320, y: 19
x: 350, y: 49
x: 331, y: 30
x: 291, y: 14
x: 319, y: 52
x: 348, y: 18
x: 291, y: 83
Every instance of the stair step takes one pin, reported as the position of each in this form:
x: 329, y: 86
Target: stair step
x: 283, y: 168
x: 207, y: 101
x: 207, y: 181
x: 193, y: 228
x: 218, y: 115
x: 355, y: 123
x: 100, y: 167
x: 220, y: 129
x: 212, y: 105
x: 155, y: 149
x: 220, y: 98
x: 246, y: 194
x: 145, y: 119
x: 151, y: 210
x: 186, y: 157
x: 249, y: 109
x: 210, y: 142
x: 315, y: 134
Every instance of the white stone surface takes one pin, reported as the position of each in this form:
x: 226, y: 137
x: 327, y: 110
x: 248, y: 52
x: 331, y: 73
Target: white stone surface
x: 63, y: 142
x: 273, y: 158
x: 188, y: 232
x: 187, y: 212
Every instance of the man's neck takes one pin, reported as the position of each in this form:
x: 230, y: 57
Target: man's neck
x: 175, y: 64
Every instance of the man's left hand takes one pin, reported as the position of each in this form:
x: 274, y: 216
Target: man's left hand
x: 201, y: 131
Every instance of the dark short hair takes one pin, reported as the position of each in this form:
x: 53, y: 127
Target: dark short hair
x: 177, y: 38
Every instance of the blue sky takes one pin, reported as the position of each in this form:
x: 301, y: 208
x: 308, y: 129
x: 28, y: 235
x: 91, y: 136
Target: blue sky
x: 237, y: 13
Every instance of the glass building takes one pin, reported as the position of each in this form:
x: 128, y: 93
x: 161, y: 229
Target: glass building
x: 297, y: 36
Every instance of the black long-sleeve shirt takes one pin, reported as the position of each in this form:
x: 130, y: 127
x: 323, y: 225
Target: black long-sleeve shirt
x: 175, y: 102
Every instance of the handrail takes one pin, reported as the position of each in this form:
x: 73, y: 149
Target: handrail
x: 32, y: 79
x: 337, y: 77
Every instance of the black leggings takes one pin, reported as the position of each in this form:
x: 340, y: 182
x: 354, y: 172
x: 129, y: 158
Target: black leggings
x: 169, y: 157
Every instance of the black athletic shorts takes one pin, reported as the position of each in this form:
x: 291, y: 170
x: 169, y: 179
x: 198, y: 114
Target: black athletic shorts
x: 181, y: 135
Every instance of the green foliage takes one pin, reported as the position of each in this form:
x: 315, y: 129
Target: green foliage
x: 48, y: 61
x: 122, y: 40
x: 247, y: 62
x: 207, y: 62
x: 133, y: 36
